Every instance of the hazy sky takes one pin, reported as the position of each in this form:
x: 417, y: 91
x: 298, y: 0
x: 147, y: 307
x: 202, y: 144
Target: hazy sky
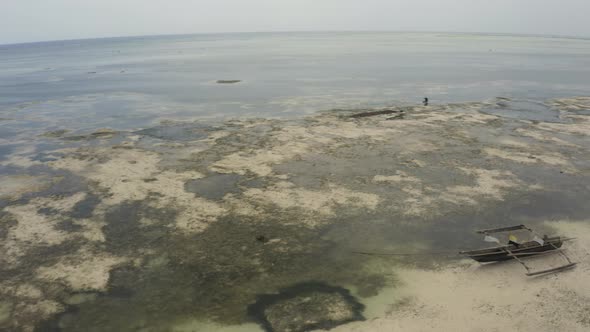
x: 35, y: 20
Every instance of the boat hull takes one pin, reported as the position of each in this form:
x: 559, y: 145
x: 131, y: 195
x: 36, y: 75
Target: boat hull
x: 526, y: 249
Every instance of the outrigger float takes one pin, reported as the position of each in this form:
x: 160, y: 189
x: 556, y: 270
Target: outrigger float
x: 519, y: 251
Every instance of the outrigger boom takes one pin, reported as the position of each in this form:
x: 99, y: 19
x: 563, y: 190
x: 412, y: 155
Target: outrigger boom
x: 518, y: 251
x: 503, y: 229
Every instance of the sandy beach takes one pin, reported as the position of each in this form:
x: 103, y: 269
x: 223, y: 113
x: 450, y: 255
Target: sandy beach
x: 466, y: 296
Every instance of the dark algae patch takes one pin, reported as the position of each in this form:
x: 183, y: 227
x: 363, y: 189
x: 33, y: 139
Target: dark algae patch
x: 216, y: 275
x: 85, y: 208
x: 104, y: 133
x: 305, y: 307
x: 176, y: 132
x: 55, y: 133
x: 375, y: 113
x: 214, y: 186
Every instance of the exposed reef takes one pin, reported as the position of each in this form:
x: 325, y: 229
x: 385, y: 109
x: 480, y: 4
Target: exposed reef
x: 180, y: 223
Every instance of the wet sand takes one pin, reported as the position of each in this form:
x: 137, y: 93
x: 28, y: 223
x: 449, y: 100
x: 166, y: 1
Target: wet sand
x: 466, y: 296
x: 183, y: 226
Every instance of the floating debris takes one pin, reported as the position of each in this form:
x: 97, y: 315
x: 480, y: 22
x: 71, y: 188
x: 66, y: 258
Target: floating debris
x: 228, y: 81
x: 375, y: 113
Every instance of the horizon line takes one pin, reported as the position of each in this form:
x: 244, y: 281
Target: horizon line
x: 481, y: 33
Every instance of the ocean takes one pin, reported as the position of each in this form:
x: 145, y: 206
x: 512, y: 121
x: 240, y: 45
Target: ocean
x: 131, y: 82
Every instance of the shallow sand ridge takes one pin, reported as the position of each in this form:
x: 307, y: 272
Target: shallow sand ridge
x: 172, y: 232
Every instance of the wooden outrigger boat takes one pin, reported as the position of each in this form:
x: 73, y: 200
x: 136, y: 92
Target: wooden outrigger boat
x: 518, y: 251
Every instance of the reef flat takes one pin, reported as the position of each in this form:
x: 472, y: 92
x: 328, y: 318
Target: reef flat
x: 183, y: 226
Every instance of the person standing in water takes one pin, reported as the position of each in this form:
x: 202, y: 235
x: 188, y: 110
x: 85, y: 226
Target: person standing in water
x: 425, y: 102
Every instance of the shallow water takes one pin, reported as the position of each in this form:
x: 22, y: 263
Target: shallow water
x: 158, y: 223
x: 129, y: 82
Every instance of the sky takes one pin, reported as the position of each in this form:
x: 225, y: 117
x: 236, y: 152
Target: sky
x: 40, y: 20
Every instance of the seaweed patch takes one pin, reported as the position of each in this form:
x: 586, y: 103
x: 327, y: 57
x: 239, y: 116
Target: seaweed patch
x: 305, y: 307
